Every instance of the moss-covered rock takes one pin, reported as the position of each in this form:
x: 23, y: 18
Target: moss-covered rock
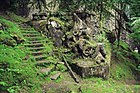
x: 81, y: 39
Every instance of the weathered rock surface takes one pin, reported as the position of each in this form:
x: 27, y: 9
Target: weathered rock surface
x: 56, y: 76
x: 84, y: 37
x: 46, y: 70
x: 89, y: 68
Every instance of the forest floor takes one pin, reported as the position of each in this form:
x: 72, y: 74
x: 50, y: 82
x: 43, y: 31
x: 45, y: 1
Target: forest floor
x: 122, y: 80
x: 66, y: 84
x: 123, y: 84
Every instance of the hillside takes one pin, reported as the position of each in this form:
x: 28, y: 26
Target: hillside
x: 73, y: 46
x: 20, y: 73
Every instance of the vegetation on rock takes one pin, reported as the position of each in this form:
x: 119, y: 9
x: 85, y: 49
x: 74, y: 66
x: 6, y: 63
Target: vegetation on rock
x: 96, y: 38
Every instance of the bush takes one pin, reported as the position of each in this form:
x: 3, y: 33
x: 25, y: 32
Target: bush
x: 136, y: 35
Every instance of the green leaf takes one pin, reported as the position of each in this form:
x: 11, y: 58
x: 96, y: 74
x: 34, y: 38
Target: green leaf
x: 3, y: 83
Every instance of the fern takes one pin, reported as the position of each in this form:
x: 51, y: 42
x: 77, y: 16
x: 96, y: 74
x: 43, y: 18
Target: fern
x: 136, y: 28
x: 136, y: 35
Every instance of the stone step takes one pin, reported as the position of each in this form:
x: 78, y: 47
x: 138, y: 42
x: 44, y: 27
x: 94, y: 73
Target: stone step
x: 36, y: 41
x: 61, y: 63
x: 46, y: 70
x: 40, y: 57
x: 31, y: 35
x: 30, y: 32
x: 23, y: 25
x: 27, y: 28
x: 37, y: 48
x: 34, y: 45
x: 56, y: 76
x: 34, y: 38
x: 39, y: 40
x: 42, y: 61
x: 37, y: 53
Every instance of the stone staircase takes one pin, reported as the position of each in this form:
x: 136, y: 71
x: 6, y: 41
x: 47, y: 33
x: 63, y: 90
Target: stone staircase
x: 35, y: 43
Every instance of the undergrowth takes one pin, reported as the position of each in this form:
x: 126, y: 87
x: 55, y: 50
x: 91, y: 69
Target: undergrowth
x: 15, y: 74
x: 123, y: 62
x: 16, y: 18
x: 10, y: 33
x: 110, y: 86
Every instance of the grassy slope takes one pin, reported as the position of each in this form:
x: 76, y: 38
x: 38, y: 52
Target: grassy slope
x: 15, y: 75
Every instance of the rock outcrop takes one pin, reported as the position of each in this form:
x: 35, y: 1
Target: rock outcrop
x: 85, y: 38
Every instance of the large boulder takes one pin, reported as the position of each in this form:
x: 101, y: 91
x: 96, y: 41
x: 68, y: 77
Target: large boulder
x: 89, y: 68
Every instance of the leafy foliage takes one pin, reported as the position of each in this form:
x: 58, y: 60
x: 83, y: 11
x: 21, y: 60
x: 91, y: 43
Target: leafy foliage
x: 136, y: 28
x: 136, y: 35
x: 134, y: 10
x: 10, y: 27
x: 16, y: 77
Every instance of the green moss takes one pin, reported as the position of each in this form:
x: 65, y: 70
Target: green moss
x: 16, y: 18
x: 61, y: 67
x: 97, y: 85
x: 92, y: 43
x: 122, y: 70
x: 57, y: 20
x: 10, y: 27
x: 108, y: 50
x: 14, y: 72
x: 11, y: 33
x: 4, y: 36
